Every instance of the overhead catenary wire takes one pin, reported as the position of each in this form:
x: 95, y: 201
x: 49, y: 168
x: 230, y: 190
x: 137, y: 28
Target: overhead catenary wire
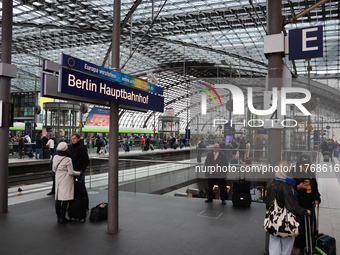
x: 153, y: 21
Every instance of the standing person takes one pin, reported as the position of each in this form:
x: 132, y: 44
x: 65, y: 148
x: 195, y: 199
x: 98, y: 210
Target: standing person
x: 64, y: 183
x: 127, y: 144
x: 142, y: 143
x: 282, y: 188
x: 105, y: 144
x: 44, y: 138
x: 247, y: 148
x: 21, y: 147
x: 217, y: 160
x: 29, y: 141
x: 147, y: 143
x: 229, y: 148
x: 223, y: 145
x: 164, y: 143
x: 98, y: 143
x: 50, y: 144
x: 80, y: 160
x: 242, y: 149
x: 52, y: 192
x: 39, y: 144
x: 234, y: 144
x: 308, y: 195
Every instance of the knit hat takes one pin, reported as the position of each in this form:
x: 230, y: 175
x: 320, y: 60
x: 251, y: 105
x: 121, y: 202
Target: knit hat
x: 62, y: 146
x: 283, y: 174
x: 304, y: 160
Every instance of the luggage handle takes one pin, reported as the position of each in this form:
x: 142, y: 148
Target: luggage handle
x: 317, y: 219
x: 309, y: 245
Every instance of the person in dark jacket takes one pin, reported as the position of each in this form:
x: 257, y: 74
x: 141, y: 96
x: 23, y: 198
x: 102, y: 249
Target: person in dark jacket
x: 234, y: 144
x: 215, y: 161
x: 80, y: 159
x: 39, y: 144
x: 242, y: 149
x: 164, y: 143
x: 308, y: 195
x: 21, y: 147
x: 282, y: 188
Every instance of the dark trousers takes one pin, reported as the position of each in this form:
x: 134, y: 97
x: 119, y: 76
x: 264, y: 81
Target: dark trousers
x: 60, y: 208
x: 221, y: 184
x: 53, y: 184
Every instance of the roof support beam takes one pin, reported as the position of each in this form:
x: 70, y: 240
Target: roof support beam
x: 126, y: 19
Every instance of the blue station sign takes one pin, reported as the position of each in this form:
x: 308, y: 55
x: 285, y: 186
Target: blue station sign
x: 306, y: 43
x: 80, y: 84
x: 87, y: 67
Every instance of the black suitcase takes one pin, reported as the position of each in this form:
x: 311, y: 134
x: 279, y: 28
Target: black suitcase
x: 326, y: 156
x: 46, y: 153
x: 325, y: 242
x: 77, y: 209
x: 78, y: 190
x: 241, y: 186
x: 29, y: 154
x: 241, y: 199
x: 241, y: 193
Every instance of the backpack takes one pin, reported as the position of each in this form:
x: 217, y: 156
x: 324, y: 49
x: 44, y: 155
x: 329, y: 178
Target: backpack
x: 25, y: 140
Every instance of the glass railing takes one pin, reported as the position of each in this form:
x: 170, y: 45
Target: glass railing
x: 139, y: 175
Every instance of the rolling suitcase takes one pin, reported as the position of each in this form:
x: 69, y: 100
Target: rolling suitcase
x: 326, y: 156
x: 77, y: 209
x: 46, y: 153
x: 336, y: 153
x: 241, y: 193
x: 325, y: 242
x: 241, y: 199
x: 310, y: 249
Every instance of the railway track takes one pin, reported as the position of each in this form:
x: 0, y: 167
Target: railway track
x: 124, y: 164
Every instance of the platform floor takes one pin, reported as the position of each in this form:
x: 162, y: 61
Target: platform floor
x: 149, y: 224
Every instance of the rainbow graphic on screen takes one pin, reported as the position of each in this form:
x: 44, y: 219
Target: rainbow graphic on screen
x: 209, y: 93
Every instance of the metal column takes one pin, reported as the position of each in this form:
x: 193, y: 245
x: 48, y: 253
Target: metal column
x: 5, y: 85
x: 274, y: 21
x: 113, y: 213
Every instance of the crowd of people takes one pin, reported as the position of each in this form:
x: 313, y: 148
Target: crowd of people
x: 298, y: 195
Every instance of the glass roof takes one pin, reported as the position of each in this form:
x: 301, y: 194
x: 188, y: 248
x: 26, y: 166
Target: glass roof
x: 178, y: 40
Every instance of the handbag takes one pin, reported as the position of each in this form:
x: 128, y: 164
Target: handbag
x: 99, y: 212
x: 280, y: 222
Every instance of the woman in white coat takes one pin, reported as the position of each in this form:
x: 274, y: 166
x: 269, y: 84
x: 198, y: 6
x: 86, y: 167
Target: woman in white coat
x: 64, y: 183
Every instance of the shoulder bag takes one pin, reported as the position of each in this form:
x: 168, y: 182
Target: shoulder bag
x: 280, y: 222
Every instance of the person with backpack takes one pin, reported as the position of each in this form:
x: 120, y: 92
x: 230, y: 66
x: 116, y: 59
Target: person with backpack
x: 105, y: 144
